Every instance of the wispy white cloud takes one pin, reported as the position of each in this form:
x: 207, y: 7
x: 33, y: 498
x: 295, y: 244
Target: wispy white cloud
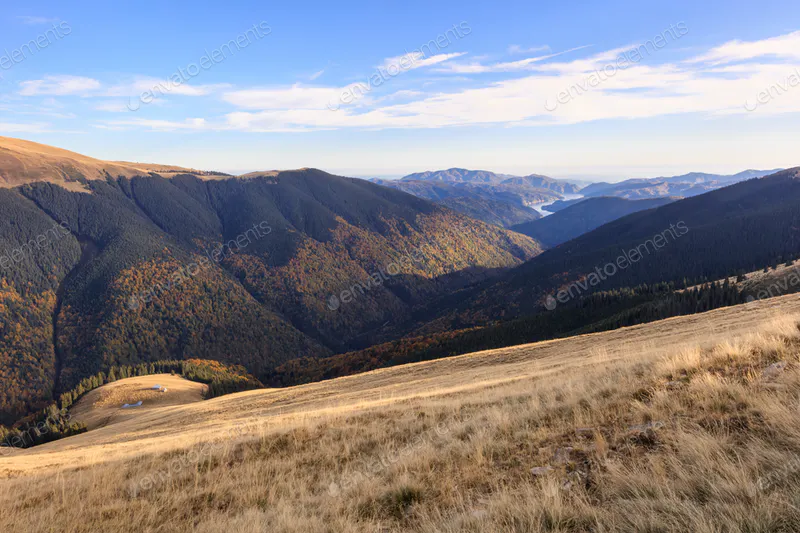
x: 405, y: 94
x: 516, y: 49
x: 112, y: 106
x: 781, y: 47
x: 508, y: 66
x: 300, y: 97
x: 295, y: 97
x: 59, y: 86
x: 316, y: 75
x: 718, y: 82
x: 162, y: 87
x: 190, y: 124
x: 47, y: 107
x: 37, y: 20
x: 414, y: 60
x: 90, y: 87
x: 11, y: 127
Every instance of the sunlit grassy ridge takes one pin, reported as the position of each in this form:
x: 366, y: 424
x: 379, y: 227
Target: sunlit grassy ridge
x: 689, y: 424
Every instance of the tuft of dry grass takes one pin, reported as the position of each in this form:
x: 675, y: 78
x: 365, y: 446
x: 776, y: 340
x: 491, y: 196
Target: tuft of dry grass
x: 618, y: 437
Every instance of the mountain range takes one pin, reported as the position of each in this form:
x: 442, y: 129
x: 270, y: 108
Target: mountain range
x: 685, y: 257
x: 686, y: 185
x: 113, y: 264
x: 761, y: 216
x: 498, y: 199
x: 108, y: 264
x: 509, y: 201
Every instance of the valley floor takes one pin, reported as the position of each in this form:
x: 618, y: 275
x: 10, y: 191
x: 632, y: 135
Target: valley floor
x: 688, y: 424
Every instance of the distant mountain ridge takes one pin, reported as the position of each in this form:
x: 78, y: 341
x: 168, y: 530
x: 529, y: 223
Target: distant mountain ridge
x: 499, y: 199
x: 686, y: 185
x: 461, y: 175
x: 507, y: 200
x: 495, y: 204
x: 458, y: 175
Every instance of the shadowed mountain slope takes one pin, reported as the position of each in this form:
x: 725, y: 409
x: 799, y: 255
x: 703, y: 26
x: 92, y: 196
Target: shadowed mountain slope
x: 582, y: 217
x: 738, y: 228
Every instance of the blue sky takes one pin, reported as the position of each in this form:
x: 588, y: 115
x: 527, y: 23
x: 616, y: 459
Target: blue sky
x: 388, y: 88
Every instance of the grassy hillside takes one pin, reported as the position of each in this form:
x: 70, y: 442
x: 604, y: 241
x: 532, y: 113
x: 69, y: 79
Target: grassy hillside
x: 601, y: 311
x: 23, y: 162
x: 681, y: 425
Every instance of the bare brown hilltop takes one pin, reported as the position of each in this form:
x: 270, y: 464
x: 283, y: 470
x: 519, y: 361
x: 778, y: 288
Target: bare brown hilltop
x: 23, y: 162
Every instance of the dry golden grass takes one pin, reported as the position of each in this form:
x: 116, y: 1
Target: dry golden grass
x: 102, y: 407
x: 24, y: 162
x: 683, y: 425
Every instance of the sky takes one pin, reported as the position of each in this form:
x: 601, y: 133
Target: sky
x: 608, y: 90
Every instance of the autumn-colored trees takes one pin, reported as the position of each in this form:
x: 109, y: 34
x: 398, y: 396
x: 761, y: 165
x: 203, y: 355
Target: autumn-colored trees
x: 54, y: 421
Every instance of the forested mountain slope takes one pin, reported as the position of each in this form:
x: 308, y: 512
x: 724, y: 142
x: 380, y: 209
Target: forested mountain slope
x: 252, y: 271
x: 582, y: 217
x: 495, y: 204
x: 738, y: 228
